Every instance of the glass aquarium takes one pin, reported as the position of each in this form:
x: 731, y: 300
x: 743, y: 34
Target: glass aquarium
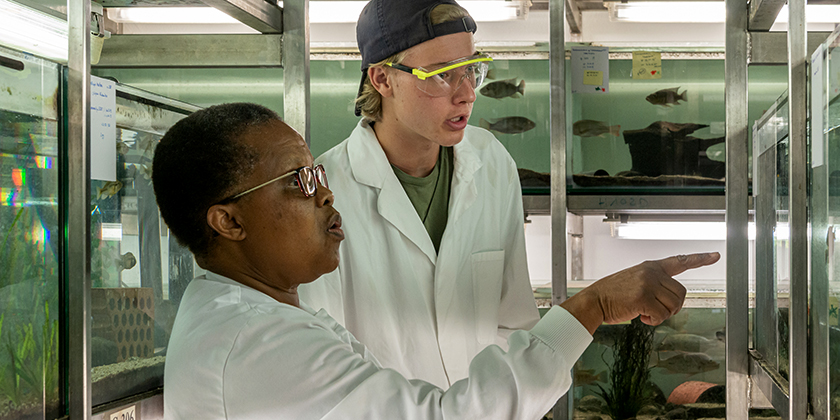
x: 138, y: 271
x: 29, y: 267
x: 660, y: 135
x: 825, y: 204
x: 771, y: 145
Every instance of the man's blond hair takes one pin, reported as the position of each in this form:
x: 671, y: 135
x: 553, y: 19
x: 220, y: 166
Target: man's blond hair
x: 370, y: 101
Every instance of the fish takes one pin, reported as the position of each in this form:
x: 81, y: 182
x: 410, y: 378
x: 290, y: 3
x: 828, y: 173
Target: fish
x: 667, y: 97
x: 592, y: 128
x: 508, y: 125
x: 504, y: 89
x: 588, y: 376
x: 690, y: 363
x: 685, y: 343
x: 109, y: 189
x: 143, y: 169
x: 126, y: 262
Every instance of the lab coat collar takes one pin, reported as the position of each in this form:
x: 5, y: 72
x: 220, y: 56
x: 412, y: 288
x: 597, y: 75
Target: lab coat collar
x: 370, y: 166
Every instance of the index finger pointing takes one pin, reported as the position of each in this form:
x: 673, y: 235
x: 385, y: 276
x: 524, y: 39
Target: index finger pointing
x: 680, y: 263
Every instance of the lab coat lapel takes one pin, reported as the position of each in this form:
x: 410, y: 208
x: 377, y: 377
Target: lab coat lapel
x: 464, y: 191
x: 370, y: 167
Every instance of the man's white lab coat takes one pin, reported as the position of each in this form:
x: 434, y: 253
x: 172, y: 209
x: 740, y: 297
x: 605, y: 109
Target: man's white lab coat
x: 236, y: 353
x: 427, y: 314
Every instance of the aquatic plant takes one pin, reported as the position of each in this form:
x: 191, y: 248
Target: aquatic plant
x: 628, y: 388
x: 34, y: 366
x: 9, y: 252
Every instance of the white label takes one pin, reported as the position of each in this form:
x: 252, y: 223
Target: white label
x: 103, y: 129
x: 124, y: 414
x: 590, y: 69
x: 817, y: 109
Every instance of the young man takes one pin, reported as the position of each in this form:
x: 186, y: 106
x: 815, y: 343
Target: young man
x: 433, y: 269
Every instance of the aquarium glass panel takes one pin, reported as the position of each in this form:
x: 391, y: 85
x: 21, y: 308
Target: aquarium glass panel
x: 832, y: 176
x: 29, y: 236
x: 138, y: 270
x: 771, y: 166
x: 658, y: 135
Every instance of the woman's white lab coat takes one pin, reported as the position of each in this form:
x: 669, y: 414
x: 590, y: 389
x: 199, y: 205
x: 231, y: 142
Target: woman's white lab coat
x: 423, y: 313
x: 236, y: 353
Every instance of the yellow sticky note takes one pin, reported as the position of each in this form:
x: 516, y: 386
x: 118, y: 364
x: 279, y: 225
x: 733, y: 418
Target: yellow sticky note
x: 593, y: 77
x: 647, y: 65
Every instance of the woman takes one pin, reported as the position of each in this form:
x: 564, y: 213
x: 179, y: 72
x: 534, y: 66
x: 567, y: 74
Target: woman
x: 236, y: 185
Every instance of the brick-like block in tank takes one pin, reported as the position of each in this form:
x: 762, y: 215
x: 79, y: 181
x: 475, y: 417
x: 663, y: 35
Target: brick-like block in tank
x: 126, y: 317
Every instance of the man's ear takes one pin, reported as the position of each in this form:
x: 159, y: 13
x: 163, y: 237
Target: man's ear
x: 380, y: 80
x: 222, y: 219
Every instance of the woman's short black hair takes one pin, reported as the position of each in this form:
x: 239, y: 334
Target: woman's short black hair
x: 199, y: 162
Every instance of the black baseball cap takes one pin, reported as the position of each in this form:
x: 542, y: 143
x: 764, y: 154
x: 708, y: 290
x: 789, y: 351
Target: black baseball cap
x: 387, y: 27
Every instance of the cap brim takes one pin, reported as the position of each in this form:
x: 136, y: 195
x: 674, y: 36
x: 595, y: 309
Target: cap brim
x: 358, y: 109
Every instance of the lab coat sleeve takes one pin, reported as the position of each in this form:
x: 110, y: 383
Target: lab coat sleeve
x: 522, y: 383
x: 517, y: 308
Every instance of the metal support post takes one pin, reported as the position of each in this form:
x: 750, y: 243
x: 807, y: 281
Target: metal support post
x: 798, y: 321
x: 557, y: 105
x: 77, y: 213
x: 296, y: 66
x: 737, y: 212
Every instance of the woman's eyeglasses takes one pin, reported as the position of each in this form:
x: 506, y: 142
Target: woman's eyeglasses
x: 307, y: 179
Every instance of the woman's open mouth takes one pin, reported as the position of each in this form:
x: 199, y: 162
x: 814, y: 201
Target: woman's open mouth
x: 335, y: 226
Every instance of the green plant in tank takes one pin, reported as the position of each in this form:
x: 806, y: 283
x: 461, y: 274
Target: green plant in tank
x: 628, y: 388
x: 34, y: 365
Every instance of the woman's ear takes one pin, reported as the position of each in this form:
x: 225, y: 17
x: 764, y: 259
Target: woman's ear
x: 380, y: 80
x: 222, y: 219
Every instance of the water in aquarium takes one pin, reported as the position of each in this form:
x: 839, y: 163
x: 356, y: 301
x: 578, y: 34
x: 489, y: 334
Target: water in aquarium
x: 29, y: 167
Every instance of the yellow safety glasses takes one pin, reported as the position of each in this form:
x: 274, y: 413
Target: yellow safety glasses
x: 447, y: 78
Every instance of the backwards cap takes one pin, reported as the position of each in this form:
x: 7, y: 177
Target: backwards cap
x: 387, y: 27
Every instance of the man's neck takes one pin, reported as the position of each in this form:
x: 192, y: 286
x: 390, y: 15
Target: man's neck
x: 412, y: 156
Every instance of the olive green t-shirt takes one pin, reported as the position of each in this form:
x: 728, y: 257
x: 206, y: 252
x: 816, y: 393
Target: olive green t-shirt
x: 430, y: 194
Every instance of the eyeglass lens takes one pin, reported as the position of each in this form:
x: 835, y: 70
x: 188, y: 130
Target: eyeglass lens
x: 446, y: 83
x: 308, y: 177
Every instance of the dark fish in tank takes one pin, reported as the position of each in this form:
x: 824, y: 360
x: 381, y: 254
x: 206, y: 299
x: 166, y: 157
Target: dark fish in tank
x: 685, y: 343
x: 592, y: 128
x: 503, y: 89
x: 508, y: 125
x: 690, y: 363
x: 667, y: 97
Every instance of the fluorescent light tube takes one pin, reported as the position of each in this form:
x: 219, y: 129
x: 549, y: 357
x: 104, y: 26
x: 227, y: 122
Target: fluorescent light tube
x: 319, y: 12
x: 686, y: 231
x: 205, y: 15
x: 29, y: 30
x: 669, y: 12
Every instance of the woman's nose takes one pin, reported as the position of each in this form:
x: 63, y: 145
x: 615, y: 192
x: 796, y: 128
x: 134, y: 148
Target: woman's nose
x: 324, y: 196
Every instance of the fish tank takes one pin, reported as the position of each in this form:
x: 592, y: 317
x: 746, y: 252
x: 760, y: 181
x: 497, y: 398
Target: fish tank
x: 138, y: 270
x: 658, y: 135
x: 630, y: 370
x: 825, y: 225
x: 771, y: 151
x: 30, y: 133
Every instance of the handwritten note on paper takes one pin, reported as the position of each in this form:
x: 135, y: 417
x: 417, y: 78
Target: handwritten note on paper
x: 103, y: 129
x: 590, y: 69
x: 647, y: 65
